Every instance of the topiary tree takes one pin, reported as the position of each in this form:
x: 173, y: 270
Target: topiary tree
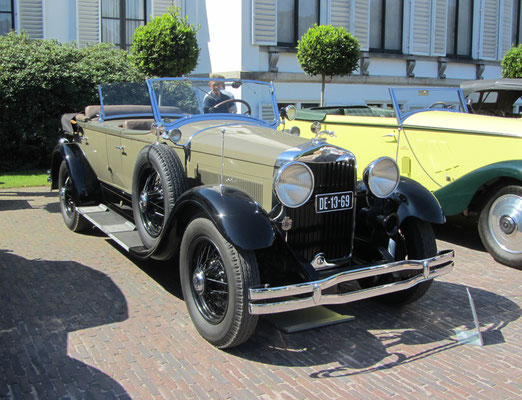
x: 166, y: 46
x: 326, y: 50
x: 512, y: 63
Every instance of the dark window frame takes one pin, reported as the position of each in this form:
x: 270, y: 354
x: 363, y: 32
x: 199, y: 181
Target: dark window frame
x: 456, y: 36
x: 383, y: 49
x: 296, y: 24
x: 12, y: 15
x: 123, y: 26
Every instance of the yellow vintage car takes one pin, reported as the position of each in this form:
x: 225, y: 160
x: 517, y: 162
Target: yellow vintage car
x: 472, y: 163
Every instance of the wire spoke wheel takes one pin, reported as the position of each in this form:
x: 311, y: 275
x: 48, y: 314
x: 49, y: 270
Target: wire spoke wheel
x: 209, y: 281
x: 151, y: 202
x: 71, y: 216
x: 215, y: 278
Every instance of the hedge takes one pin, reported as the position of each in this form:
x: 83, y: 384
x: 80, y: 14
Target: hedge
x: 39, y: 81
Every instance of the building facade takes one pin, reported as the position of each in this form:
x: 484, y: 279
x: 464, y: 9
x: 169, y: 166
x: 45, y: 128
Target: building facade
x: 403, y: 42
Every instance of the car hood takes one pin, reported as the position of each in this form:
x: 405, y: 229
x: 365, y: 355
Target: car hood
x: 241, y: 141
x: 472, y: 123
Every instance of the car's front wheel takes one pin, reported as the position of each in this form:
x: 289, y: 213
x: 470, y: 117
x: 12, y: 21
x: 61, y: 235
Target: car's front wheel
x: 215, y: 278
x: 415, y: 241
x: 72, y: 218
x: 500, y: 226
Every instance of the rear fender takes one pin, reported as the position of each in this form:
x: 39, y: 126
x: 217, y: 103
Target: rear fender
x: 86, y: 188
x: 458, y: 195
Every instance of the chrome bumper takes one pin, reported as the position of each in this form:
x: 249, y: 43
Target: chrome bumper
x: 428, y: 269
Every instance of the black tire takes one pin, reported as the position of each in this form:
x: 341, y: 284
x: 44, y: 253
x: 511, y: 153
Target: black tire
x: 158, y: 180
x: 72, y: 218
x: 500, y: 226
x: 215, y: 278
x: 416, y: 241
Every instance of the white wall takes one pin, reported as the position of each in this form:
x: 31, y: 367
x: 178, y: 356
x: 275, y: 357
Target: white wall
x: 335, y: 94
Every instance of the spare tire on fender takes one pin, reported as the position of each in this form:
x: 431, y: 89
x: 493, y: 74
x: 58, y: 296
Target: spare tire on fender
x: 158, y: 180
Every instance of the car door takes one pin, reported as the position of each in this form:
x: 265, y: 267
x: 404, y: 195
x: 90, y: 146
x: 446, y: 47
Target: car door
x: 427, y: 155
x: 93, y: 143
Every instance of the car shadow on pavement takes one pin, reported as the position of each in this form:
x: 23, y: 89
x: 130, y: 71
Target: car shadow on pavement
x: 382, y: 337
x: 461, y: 231
x: 42, y: 301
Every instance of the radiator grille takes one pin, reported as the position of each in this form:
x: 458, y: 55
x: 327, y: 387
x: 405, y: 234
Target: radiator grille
x: 330, y: 233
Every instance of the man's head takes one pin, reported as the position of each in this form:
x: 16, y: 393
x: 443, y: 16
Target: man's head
x: 216, y: 86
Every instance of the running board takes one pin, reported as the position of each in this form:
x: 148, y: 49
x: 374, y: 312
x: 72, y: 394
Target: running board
x: 117, y: 227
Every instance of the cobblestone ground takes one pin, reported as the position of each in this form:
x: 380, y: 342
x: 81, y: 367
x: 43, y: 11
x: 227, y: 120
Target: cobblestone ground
x: 80, y: 319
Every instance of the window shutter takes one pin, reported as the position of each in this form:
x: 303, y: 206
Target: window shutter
x: 267, y: 112
x: 264, y: 22
x: 30, y: 16
x: 489, y: 30
x: 506, y: 23
x: 88, y: 17
x: 420, y: 27
x: 353, y: 15
x: 340, y: 13
x: 159, y: 7
x: 361, y: 23
x: 440, y: 23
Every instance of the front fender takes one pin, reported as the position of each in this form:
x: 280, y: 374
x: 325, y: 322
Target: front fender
x: 241, y: 220
x: 86, y: 186
x: 457, y: 196
x: 418, y: 202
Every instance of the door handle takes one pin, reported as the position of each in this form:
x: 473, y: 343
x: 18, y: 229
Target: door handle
x: 122, y: 148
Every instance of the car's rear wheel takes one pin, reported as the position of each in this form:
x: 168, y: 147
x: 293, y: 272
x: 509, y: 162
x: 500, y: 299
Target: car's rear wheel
x: 215, y: 278
x: 159, y: 179
x: 72, y: 218
x: 500, y: 226
x: 415, y: 241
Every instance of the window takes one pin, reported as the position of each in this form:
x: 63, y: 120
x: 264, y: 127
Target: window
x: 460, y: 23
x: 516, y: 37
x: 6, y: 16
x: 294, y: 18
x: 120, y: 18
x: 386, y: 25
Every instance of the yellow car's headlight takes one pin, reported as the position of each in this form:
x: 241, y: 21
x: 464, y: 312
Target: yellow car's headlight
x: 382, y: 177
x: 294, y: 184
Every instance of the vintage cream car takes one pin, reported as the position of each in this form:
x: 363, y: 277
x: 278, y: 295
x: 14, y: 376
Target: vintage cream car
x: 258, y: 221
x: 472, y: 163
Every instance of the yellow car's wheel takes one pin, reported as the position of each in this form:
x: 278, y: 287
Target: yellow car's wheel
x: 500, y: 226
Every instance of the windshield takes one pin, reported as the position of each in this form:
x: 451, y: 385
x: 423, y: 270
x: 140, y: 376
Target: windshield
x: 172, y: 101
x: 408, y: 101
x: 217, y: 98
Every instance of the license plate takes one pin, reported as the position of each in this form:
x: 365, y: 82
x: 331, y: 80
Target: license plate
x: 333, y: 202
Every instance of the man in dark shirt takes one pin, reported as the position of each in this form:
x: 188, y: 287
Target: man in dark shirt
x: 215, y: 97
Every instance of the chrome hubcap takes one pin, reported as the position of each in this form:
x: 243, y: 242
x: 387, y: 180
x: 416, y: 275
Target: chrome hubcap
x: 198, y: 281
x: 144, y: 201
x: 505, y: 222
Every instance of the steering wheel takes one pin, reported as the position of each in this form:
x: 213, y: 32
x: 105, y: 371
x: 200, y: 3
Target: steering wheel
x: 441, y: 104
x: 247, y: 112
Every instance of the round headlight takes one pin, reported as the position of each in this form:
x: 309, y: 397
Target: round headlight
x: 382, y: 177
x: 294, y: 184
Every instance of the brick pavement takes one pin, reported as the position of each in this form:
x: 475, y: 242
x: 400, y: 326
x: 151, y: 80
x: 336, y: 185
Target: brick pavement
x: 80, y: 319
